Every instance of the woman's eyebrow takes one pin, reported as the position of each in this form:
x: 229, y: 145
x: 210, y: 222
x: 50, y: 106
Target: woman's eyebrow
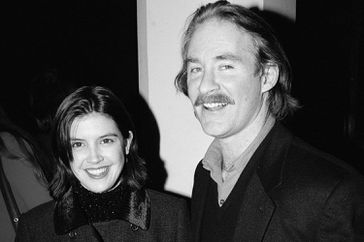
x: 108, y: 135
x: 75, y: 139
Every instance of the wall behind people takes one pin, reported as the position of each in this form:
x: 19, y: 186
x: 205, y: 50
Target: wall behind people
x: 182, y: 141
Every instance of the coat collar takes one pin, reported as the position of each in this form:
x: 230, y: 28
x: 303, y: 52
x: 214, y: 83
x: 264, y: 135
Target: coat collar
x: 199, y: 193
x: 136, y: 210
x: 255, y: 213
x: 271, y: 157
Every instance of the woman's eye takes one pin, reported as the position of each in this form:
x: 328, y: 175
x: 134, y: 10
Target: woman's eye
x: 76, y: 145
x: 107, y: 141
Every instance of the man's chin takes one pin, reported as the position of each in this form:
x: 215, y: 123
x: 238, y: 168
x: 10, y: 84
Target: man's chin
x: 213, y: 130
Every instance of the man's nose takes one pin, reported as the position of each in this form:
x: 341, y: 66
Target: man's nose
x: 208, y: 82
x: 95, y: 155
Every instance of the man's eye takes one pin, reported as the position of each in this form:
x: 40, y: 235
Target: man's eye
x: 76, y: 145
x: 226, y: 67
x: 107, y: 141
x: 195, y: 69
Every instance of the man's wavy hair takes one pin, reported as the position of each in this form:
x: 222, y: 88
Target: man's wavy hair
x: 83, y: 101
x: 268, y: 51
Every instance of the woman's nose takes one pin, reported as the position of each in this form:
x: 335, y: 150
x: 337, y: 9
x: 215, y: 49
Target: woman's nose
x: 95, y: 155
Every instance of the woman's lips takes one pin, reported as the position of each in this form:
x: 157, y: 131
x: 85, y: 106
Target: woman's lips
x: 97, y: 173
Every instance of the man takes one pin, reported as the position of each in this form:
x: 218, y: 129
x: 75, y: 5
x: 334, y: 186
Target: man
x: 257, y: 182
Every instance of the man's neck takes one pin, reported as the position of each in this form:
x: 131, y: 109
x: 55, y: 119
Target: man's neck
x: 232, y: 147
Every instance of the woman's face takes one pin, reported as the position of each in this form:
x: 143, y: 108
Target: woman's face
x: 98, y: 151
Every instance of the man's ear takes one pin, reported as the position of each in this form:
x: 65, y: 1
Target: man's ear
x: 269, y: 77
x: 128, y: 142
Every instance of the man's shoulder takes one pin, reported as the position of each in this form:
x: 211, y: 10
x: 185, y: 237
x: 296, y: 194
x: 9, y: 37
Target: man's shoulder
x: 315, y: 175
x: 300, y: 159
x: 305, y: 159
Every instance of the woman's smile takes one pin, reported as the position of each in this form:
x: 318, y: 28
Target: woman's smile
x: 97, y: 173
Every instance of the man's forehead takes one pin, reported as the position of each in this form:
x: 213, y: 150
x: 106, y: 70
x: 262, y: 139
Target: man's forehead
x: 219, y: 39
x: 218, y: 24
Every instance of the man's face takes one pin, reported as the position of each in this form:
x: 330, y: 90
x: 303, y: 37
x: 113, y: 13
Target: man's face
x: 223, y: 86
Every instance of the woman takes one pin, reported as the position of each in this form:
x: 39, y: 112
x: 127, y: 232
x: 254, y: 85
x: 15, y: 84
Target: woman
x: 99, y: 183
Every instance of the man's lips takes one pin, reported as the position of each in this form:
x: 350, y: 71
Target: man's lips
x: 214, y: 106
x: 214, y: 101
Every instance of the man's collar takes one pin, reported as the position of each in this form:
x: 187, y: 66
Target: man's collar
x: 213, y: 160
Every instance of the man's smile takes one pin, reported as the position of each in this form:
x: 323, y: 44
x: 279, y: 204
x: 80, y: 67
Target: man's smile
x: 213, y: 102
x: 214, y: 106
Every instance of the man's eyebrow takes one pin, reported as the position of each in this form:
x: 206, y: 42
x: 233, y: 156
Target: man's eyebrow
x: 191, y: 60
x: 227, y: 56
x: 231, y: 57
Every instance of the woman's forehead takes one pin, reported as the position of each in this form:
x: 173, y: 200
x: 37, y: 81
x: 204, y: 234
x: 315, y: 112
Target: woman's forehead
x: 93, y: 125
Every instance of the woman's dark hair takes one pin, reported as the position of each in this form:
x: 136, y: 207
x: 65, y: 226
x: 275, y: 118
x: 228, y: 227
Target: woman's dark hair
x: 267, y: 50
x: 83, y: 101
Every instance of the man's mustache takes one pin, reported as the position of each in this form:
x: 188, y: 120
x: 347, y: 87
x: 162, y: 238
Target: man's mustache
x: 213, y: 98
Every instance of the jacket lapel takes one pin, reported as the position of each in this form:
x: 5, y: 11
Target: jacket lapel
x: 255, y: 213
x: 199, y: 194
x: 258, y: 206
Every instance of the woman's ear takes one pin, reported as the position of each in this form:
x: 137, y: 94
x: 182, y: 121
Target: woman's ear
x: 269, y: 77
x: 128, y: 142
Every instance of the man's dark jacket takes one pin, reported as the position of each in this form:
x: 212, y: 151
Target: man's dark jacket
x: 296, y: 193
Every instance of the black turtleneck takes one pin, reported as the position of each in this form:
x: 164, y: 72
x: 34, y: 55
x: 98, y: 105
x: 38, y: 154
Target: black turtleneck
x: 99, y: 207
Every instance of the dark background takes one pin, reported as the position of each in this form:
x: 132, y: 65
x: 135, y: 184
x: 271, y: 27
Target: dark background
x: 89, y: 42
x: 328, y: 76
x: 325, y: 47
